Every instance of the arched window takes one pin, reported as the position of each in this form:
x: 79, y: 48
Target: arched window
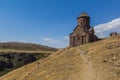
x: 81, y: 23
x: 82, y: 39
x: 78, y: 38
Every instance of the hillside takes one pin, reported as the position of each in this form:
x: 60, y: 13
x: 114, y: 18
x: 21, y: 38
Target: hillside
x: 14, y: 55
x: 94, y: 61
x: 24, y: 47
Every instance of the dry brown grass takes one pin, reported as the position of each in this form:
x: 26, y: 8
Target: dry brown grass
x: 24, y: 51
x: 67, y: 64
x: 17, y: 47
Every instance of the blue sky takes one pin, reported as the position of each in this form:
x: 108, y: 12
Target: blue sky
x: 49, y: 22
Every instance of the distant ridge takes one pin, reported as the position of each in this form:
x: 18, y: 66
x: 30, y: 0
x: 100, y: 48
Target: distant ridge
x: 19, y: 46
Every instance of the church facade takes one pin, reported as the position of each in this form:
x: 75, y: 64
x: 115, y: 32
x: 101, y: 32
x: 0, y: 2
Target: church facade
x: 83, y: 32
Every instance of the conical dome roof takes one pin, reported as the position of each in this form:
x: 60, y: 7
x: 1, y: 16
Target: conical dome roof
x: 84, y: 14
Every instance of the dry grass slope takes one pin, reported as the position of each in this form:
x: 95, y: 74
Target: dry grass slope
x: 25, y: 47
x: 93, y: 61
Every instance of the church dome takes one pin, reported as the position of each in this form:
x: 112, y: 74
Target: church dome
x: 84, y: 14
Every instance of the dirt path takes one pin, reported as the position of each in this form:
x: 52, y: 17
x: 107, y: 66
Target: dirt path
x: 88, y: 69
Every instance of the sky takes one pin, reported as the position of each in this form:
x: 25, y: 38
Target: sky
x: 49, y: 22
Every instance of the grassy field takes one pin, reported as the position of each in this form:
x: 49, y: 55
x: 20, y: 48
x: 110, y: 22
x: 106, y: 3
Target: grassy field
x: 24, y: 47
x: 24, y: 51
x: 94, y: 61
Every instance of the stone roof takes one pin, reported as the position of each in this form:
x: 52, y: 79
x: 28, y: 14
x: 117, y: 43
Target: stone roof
x: 84, y: 14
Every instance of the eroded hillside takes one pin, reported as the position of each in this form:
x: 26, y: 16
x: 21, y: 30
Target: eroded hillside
x: 94, y: 61
x: 14, y: 55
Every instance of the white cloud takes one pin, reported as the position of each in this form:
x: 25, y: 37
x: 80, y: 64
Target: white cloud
x: 24, y: 41
x: 50, y: 40
x: 103, y: 30
x: 58, y: 43
x: 66, y: 38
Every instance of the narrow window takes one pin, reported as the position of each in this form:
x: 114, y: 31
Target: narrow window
x: 78, y: 38
x: 81, y: 23
x: 82, y: 39
x: 73, y: 41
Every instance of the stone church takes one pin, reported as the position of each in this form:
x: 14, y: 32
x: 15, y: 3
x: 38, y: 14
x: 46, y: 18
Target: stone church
x: 83, y: 32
